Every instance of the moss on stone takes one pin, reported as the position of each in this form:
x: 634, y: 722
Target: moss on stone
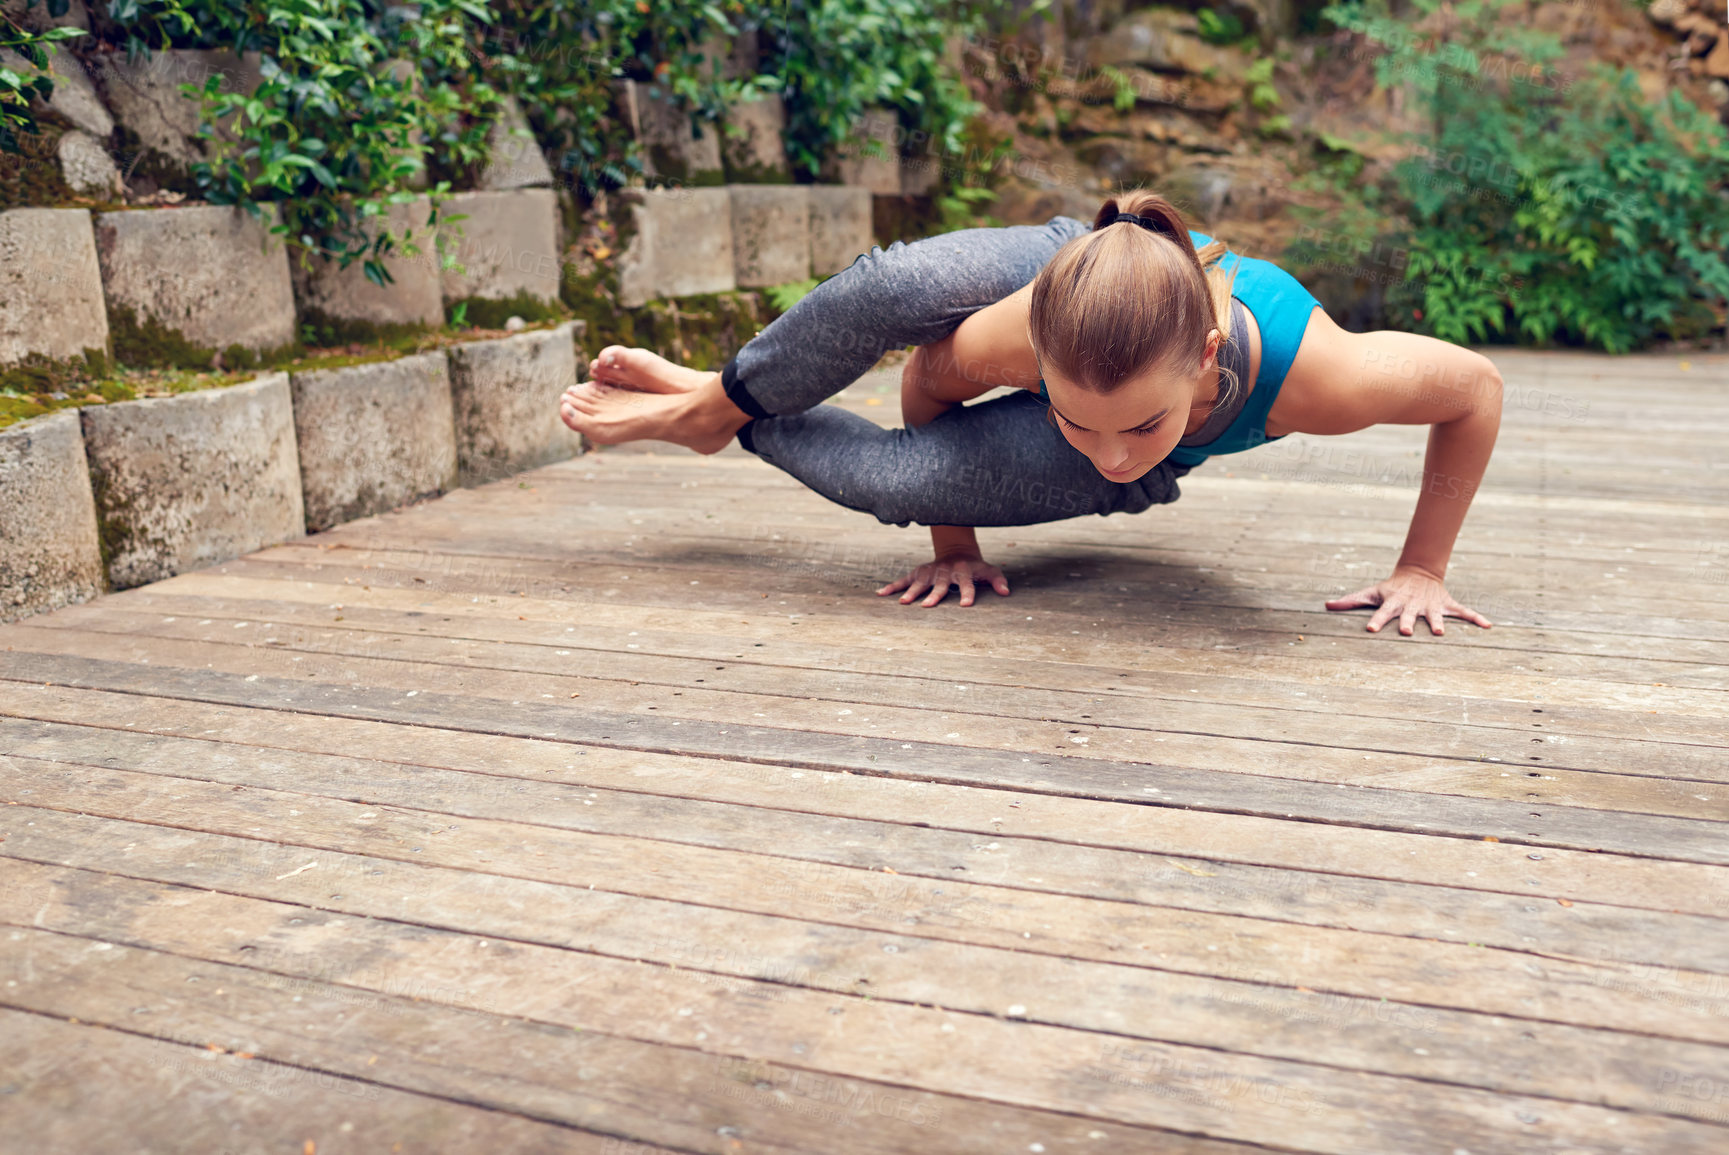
x: 739, y: 173
x: 16, y: 409
x: 701, y: 331
x: 321, y: 329
x: 31, y: 176
x: 149, y: 344
x: 40, y: 384
x: 491, y: 313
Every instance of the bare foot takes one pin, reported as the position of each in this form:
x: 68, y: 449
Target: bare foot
x: 644, y: 371
x: 690, y: 408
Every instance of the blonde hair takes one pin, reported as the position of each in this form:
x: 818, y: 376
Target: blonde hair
x: 1126, y: 299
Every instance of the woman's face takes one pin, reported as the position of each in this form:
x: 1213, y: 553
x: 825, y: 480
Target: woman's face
x: 1134, y: 427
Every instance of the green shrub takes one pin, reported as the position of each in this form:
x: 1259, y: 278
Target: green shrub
x: 840, y: 57
x: 357, y: 97
x: 17, y: 89
x: 1543, y: 208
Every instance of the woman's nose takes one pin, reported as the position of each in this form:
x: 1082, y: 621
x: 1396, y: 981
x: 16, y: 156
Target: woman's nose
x: 1113, y: 456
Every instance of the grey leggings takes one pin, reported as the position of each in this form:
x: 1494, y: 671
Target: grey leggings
x: 998, y: 462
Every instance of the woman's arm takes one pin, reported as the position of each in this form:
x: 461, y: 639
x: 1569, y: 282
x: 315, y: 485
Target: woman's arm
x: 1349, y: 381
x: 988, y: 350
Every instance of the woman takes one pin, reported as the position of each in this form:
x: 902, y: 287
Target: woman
x: 1147, y: 354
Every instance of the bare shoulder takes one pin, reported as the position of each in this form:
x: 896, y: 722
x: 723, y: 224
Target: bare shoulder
x: 992, y: 345
x: 1342, y: 381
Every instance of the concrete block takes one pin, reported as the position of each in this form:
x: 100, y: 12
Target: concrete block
x: 919, y: 175
x: 673, y: 147
x: 74, y: 95
x: 50, y: 285
x: 87, y: 167
x: 680, y: 245
x: 505, y: 394
x: 509, y: 245
x: 840, y: 227
x: 48, y: 551
x: 413, y: 297
x: 770, y: 233
x: 212, y: 274
x: 514, y: 159
x: 189, y: 481
x: 754, y: 149
x: 144, y: 95
x: 373, y: 437
x: 872, y: 158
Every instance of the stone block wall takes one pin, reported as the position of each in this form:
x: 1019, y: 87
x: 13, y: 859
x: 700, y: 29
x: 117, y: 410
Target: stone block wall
x: 51, y: 300
x: 505, y: 395
x: 414, y: 295
x: 508, y: 246
x: 48, y: 549
x: 373, y: 437
x: 183, y: 482
x: 213, y: 275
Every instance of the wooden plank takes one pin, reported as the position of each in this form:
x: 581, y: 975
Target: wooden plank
x: 1516, y: 1056
x: 641, y: 1093
x: 1291, y: 595
x: 1303, y: 550
x: 79, y: 1087
x: 1300, y: 872
x: 469, y: 701
x: 1046, y: 655
x: 1409, y: 748
x: 475, y: 573
x: 1016, y: 1061
x: 1455, y: 975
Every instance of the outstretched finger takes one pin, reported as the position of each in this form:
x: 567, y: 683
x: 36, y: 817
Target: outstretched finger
x: 1000, y: 584
x: 1364, y: 597
x: 1436, y: 616
x: 1469, y: 615
x: 895, y: 586
x: 939, y: 590
x: 1382, y: 616
x: 916, y: 586
x: 966, y: 583
x: 1408, y: 620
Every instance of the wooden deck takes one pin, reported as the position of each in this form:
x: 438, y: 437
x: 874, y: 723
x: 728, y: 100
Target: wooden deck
x: 605, y: 810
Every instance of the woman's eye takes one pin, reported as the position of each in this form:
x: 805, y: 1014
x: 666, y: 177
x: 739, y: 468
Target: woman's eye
x: 1146, y: 430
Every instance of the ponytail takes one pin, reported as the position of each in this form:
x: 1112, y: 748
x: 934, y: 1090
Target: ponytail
x: 1131, y: 296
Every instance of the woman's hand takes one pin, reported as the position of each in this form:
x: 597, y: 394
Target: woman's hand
x: 961, y: 570
x: 1409, y: 594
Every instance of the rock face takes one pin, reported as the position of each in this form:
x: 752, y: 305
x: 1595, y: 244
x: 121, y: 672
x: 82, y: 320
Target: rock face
x: 840, y: 227
x: 1168, y: 41
x: 212, y: 274
x: 188, y: 481
x: 681, y: 244
x: 514, y: 159
x: 509, y: 245
x: 50, y: 285
x: 87, y: 167
x: 672, y: 147
x: 145, y: 98
x: 413, y: 297
x: 48, y: 548
x: 770, y: 234
x: 373, y: 437
x: 505, y: 394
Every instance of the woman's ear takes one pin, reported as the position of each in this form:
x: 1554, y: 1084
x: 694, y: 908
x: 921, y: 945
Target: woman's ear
x: 1210, y: 358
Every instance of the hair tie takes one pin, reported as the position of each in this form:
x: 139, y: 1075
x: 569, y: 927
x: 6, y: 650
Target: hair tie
x: 1147, y: 223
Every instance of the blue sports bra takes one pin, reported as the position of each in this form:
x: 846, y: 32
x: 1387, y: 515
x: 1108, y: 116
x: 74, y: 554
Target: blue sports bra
x: 1281, y: 307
